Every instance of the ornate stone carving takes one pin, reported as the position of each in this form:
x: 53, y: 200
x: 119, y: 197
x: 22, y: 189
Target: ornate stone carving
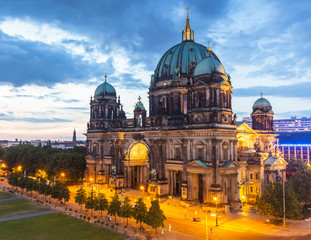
x: 138, y: 136
x: 153, y: 174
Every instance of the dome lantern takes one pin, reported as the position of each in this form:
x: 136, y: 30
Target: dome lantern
x: 187, y: 33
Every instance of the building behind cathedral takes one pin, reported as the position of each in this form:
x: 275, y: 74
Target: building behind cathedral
x: 189, y: 145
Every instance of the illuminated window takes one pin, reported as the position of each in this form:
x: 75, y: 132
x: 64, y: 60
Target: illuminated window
x: 251, y: 176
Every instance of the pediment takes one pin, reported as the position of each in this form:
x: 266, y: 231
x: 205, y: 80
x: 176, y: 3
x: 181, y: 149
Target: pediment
x: 244, y: 128
x: 231, y: 164
x: 196, y: 164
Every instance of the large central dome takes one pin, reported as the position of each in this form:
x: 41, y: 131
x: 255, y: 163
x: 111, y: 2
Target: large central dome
x: 181, y: 60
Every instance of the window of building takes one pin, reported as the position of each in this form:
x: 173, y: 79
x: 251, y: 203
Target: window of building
x: 177, y: 152
x: 257, y: 176
x: 251, y: 189
x: 200, y: 153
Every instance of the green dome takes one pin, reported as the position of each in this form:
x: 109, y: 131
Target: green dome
x: 262, y: 102
x: 105, y: 89
x: 183, y: 56
x: 208, y: 66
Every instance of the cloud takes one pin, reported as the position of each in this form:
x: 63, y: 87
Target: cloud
x: 36, y: 120
x: 299, y: 90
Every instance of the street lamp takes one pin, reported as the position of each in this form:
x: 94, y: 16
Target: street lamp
x: 142, y: 188
x: 19, y: 168
x: 215, y: 198
x: 62, y: 174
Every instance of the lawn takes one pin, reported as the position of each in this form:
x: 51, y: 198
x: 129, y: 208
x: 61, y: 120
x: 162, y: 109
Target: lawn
x: 55, y: 226
x: 18, y: 206
x: 5, y: 195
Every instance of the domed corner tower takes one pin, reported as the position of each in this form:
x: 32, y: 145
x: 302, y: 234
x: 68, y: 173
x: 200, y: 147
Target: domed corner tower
x: 190, y: 86
x: 106, y: 111
x: 262, y: 115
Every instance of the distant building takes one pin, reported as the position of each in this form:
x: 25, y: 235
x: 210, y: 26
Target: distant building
x: 74, y: 137
x: 292, y: 124
x: 36, y: 143
x: 295, y: 145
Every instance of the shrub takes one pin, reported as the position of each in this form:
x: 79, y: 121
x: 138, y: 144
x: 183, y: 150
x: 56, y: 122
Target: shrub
x: 88, y: 218
x: 95, y: 217
x: 84, y: 217
x: 125, y: 226
x: 107, y: 224
x: 81, y: 216
x: 112, y: 226
x: 70, y: 209
x: 117, y: 224
x: 102, y: 223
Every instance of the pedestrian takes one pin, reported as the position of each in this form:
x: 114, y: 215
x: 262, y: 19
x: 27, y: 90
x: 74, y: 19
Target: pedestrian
x: 162, y: 231
x: 169, y: 227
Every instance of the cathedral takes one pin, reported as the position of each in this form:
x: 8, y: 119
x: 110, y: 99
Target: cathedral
x: 189, y: 145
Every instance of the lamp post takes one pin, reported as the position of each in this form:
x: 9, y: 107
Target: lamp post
x: 215, y: 198
x: 142, y: 188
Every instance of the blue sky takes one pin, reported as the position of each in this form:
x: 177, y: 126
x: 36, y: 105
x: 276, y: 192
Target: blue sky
x: 54, y: 53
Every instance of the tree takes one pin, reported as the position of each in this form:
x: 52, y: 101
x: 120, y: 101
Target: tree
x: 80, y: 197
x: 91, y: 201
x: 114, y: 207
x: 101, y: 204
x: 271, y: 202
x: 140, y: 212
x: 155, y: 216
x: 126, y: 209
x: 60, y: 192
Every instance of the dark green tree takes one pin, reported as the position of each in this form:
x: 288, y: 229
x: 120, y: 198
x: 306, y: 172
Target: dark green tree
x: 126, y: 209
x: 114, y: 207
x: 102, y: 203
x: 60, y: 192
x: 140, y: 212
x: 155, y: 216
x: 271, y: 202
x: 91, y: 201
x: 80, y: 197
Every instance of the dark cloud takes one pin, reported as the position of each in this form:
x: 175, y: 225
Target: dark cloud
x: 299, y: 90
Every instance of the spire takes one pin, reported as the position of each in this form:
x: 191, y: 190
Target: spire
x: 187, y: 33
x: 74, y: 137
x: 261, y: 94
x: 105, y: 77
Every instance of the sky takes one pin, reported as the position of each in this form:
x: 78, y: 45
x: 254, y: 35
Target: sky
x: 54, y: 53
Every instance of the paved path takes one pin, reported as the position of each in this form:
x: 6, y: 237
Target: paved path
x: 26, y: 215
x: 7, y: 199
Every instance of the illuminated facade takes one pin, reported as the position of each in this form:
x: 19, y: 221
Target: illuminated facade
x: 187, y: 146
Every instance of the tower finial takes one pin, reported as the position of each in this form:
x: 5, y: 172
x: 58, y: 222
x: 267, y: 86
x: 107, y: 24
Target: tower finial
x: 105, y: 77
x: 139, y: 98
x: 261, y: 94
x: 187, y: 33
x: 187, y: 12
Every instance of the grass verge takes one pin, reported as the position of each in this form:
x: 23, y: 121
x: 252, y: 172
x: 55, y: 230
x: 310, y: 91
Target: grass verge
x: 17, y: 207
x: 55, y: 226
x: 5, y: 195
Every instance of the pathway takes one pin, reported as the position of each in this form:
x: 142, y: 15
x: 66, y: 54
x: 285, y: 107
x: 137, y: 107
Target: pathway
x: 8, y: 199
x: 26, y: 215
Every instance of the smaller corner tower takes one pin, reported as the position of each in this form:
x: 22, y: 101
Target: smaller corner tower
x: 262, y: 115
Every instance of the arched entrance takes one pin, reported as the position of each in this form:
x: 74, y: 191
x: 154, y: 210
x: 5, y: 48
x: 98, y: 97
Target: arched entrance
x: 136, y: 165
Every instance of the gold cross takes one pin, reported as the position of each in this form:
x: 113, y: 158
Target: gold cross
x: 187, y: 11
x: 139, y: 98
x: 261, y: 94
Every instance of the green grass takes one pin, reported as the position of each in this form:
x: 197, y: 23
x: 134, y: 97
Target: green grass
x: 18, y: 206
x: 54, y: 226
x: 5, y: 195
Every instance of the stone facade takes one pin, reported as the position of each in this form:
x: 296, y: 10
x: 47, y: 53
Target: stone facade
x: 186, y: 147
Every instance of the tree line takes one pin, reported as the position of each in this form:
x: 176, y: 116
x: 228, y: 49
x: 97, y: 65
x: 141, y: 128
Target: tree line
x: 153, y: 217
x: 54, y: 161
x: 297, y: 193
x: 57, y: 191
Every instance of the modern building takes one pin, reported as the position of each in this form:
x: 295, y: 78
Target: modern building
x: 295, y: 145
x: 187, y: 146
x: 287, y: 125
